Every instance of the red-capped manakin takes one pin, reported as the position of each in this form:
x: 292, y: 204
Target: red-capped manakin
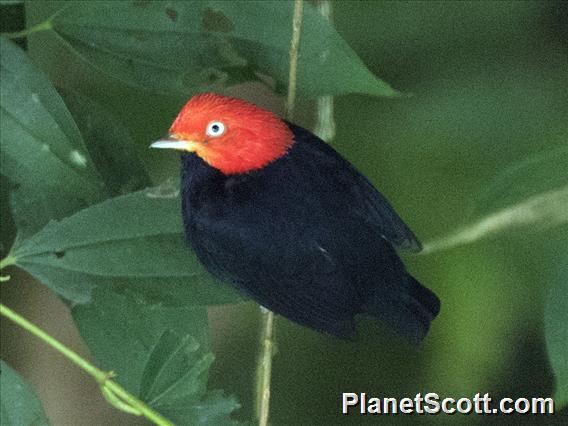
x: 273, y: 210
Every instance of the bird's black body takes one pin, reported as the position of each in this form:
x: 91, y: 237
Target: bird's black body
x: 307, y: 237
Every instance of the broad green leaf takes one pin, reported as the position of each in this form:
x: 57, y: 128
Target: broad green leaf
x: 184, y: 47
x: 213, y: 409
x: 133, y: 242
x: 174, y: 383
x: 18, y: 403
x: 556, y: 327
x: 33, y: 206
x: 536, y: 175
x: 169, y: 360
x: 122, y: 331
x: 109, y: 144
x: 41, y: 150
x: 142, y: 344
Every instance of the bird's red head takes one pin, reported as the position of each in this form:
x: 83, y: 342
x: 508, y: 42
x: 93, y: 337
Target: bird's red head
x: 229, y: 134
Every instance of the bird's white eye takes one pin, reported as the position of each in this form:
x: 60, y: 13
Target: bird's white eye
x: 215, y: 128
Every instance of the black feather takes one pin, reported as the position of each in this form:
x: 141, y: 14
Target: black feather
x: 308, y: 237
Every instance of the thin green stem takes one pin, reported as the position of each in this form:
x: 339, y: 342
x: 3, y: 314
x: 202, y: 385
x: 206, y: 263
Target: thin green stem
x: 294, y: 47
x: 264, y: 369
x: 7, y: 261
x: 266, y: 353
x: 42, y: 26
x: 325, y: 124
x: 113, y: 392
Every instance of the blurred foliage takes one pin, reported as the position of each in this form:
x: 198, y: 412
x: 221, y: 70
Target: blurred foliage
x: 556, y: 322
x: 19, y: 406
x: 536, y: 175
x: 486, y: 126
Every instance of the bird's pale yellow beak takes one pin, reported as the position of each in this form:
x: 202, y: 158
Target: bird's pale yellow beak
x: 173, y: 142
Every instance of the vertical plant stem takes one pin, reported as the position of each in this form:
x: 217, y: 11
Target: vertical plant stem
x: 294, y: 47
x: 113, y: 392
x: 325, y: 124
x: 264, y: 369
x: 264, y: 365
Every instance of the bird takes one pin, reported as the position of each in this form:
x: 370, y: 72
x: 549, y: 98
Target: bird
x: 276, y: 212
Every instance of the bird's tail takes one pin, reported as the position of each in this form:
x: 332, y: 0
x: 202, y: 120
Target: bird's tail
x: 408, y: 312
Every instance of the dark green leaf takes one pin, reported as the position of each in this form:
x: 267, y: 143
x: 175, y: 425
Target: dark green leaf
x: 174, y: 360
x: 184, y: 47
x: 142, y: 343
x: 122, y: 331
x: 41, y: 150
x: 536, y: 175
x: 174, y: 383
x: 133, y: 242
x: 212, y: 409
x: 556, y: 327
x: 18, y: 403
x: 12, y: 18
x: 33, y: 206
x: 110, y: 145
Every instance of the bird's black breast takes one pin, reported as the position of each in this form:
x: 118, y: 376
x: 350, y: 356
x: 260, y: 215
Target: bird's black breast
x: 307, y: 236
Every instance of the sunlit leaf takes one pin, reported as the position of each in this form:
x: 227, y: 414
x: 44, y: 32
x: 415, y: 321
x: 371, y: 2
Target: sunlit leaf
x: 183, y: 47
x: 133, y: 242
x: 41, y: 150
x: 18, y: 403
x: 556, y: 327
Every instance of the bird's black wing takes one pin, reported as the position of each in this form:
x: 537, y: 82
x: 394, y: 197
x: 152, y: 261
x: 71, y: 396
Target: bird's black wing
x: 283, y: 237
x: 358, y: 191
x: 308, y: 237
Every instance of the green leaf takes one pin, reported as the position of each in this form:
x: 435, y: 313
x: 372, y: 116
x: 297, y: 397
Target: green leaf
x: 109, y: 144
x: 184, y: 47
x: 213, y: 408
x: 41, y: 150
x: 133, y: 242
x: 536, y: 175
x: 167, y: 363
x: 143, y: 344
x: 174, y: 383
x: 122, y: 331
x: 18, y: 403
x: 556, y: 330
